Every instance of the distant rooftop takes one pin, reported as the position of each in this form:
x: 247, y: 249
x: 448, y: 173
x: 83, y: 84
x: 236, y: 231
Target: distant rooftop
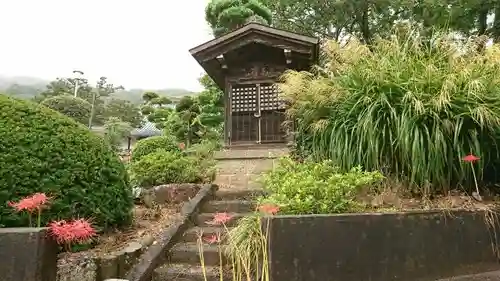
x: 147, y: 130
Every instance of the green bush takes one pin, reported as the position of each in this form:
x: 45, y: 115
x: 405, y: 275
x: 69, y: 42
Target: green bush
x: 164, y: 167
x: 316, y: 188
x: 76, y: 108
x: 45, y: 151
x: 149, y: 145
x: 405, y: 107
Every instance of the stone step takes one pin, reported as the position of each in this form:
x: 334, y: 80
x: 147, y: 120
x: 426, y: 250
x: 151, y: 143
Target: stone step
x: 203, y: 219
x: 243, y: 154
x: 186, y: 272
x: 189, y: 253
x: 191, y: 235
x: 233, y: 183
x: 229, y: 206
x: 246, y: 167
x: 238, y: 194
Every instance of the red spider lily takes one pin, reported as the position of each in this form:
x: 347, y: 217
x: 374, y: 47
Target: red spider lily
x: 77, y: 231
x: 220, y: 219
x: 269, y: 209
x: 212, y: 239
x: 182, y: 146
x: 470, y: 158
x: 31, y: 204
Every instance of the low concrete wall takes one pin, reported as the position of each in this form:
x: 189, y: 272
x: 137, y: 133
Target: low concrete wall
x: 382, y: 247
x: 27, y: 254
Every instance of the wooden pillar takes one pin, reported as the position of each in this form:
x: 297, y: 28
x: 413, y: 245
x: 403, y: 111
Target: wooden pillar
x: 227, y: 114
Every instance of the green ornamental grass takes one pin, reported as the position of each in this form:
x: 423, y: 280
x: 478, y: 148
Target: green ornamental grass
x: 407, y: 108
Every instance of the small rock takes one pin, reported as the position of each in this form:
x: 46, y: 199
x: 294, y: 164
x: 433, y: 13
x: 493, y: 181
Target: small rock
x: 456, y: 201
x: 132, y: 247
x: 147, y: 240
x: 148, y: 199
x: 477, y: 196
x: 174, y: 193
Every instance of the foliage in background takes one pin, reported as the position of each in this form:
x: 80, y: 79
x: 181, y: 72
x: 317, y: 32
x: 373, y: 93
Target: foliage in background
x: 76, y: 108
x: 370, y: 20
x: 96, y: 95
x: 316, y: 188
x: 156, y: 108
x: 204, y: 149
x: 45, y: 151
x: 125, y: 111
x: 165, y: 167
x: 211, y: 101
x: 406, y: 108
x: 115, y: 132
x: 149, y: 145
x: 226, y: 15
x: 193, y: 119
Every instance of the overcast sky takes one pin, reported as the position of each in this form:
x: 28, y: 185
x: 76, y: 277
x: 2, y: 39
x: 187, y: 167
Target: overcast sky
x: 139, y: 44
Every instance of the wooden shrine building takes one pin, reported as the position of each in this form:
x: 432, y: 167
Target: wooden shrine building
x: 245, y: 64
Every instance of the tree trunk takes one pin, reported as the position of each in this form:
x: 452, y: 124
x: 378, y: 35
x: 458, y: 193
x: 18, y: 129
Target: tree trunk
x: 496, y: 25
x: 364, y: 25
x: 482, y: 19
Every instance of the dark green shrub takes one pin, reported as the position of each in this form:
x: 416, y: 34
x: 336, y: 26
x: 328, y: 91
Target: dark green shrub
x: 44, y: 151
x: 149, y: 145
x: 76, y: 108
x: 164, y: 167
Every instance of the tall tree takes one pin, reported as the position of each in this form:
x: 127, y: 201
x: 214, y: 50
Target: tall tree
x: 226, y: 15
x: 123, y: 110
x: 336, y: 19
x: 66, y: 86
x: 97, y: 97
x: 94, y: 95
x: 194, y: 117
x: 156, y: 108
x: 116, y: 132
x: 369, y: 19
x: 211, y: 101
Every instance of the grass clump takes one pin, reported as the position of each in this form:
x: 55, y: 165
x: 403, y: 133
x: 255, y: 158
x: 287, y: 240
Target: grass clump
x: 409, y: 108
x: 316, y: 188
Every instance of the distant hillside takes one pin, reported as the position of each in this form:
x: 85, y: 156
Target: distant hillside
x: 135, y: 95
x: 29, y: 87
x: 7, y: 81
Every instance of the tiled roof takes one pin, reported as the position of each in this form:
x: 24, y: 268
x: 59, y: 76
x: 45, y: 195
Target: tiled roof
x: 147, y: 130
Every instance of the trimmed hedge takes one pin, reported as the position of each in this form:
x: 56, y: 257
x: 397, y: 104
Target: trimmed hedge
x: 42, y: 150
x: 165, y: 167
x: 76, y: 108
x: 149, y: 145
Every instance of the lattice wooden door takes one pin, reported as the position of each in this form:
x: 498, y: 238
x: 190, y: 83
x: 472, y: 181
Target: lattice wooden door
x: 244, y: 122
x: 272, y: 114
x: 256, y: 114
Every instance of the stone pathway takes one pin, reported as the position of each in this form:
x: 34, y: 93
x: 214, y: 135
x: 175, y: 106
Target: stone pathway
x: 237, y: 171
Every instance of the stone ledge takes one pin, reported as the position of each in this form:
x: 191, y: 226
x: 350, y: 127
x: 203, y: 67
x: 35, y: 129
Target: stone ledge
x: 409, y: 245
x: 27, y: 254
x: 102, y: 267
